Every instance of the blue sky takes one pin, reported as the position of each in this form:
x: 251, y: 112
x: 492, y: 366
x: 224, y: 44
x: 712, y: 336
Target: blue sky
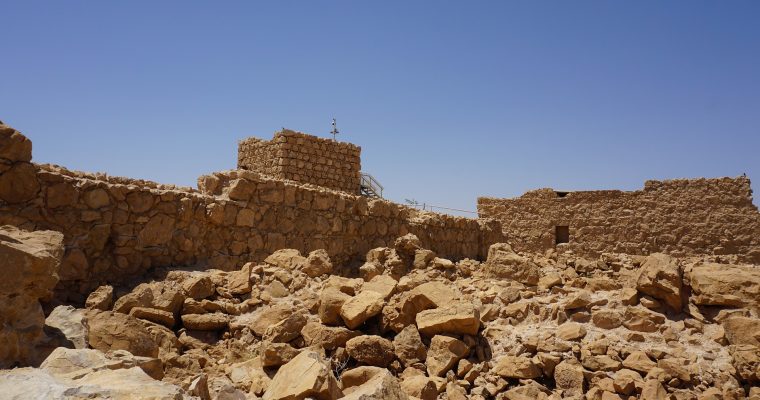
x: 449, y: 100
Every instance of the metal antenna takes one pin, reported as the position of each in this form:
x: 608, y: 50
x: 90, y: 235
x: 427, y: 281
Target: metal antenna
x: 334, y: 130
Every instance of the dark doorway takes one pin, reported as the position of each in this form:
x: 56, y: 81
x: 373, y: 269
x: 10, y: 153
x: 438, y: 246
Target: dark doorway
x: 562, y: 234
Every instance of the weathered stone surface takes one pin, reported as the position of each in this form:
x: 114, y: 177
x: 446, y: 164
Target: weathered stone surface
x: 314, y: 379
x: 101, y: 298
x: 71, y: 323
x: 327, y: 337
x: 371, y: 383
x: 331, y: 300
x: 115, y: 331
x: 119, y: 384
x: 264, y: 317
x: 276, y: 354
x: 198, y: 287
x: 639, y: 361
x: 287, y: 329
x: 725, y: 285
x: 568, y: 376
x: 420, y: 386
x: 571, y: 331
x: 408, y: 346
x: 661, y: 278
x: 239, y: 282
x: 580, y: 299
x: 642, y: 320
x: 460, y: 318
x: 607, y: 319
x: 443, y: 354
x: 504, y: 263
x: 360, y: 308
x: 162, y: 317
x: 205, y: 322
x: 742, y: 330
x: 19, y: 184
x: 687, y: 217
x: 383, y: 284
x: 29, y: 263
x: 317, y: 263
x: 517, y: 367
x: 652, y: 389
x: 290, y: 259
x: 14, y: 146
x: 371, y: 350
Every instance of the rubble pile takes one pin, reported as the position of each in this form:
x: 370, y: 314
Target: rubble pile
x: 408, y: 324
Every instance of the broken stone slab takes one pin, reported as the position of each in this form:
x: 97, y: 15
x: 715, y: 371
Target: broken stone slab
x: 460, y: 318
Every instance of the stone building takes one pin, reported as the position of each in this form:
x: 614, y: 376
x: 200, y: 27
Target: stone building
x: 680, y: 217
x: 304, y: 158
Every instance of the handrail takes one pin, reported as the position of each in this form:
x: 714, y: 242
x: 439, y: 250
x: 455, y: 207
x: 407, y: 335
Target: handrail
x: 371, y: 184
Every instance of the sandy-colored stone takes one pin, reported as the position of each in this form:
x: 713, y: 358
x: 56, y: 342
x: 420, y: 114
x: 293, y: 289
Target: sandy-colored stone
x: 360, y: 308
x: 443, y: 354
x: 314, y: 379
x: 459, y: 318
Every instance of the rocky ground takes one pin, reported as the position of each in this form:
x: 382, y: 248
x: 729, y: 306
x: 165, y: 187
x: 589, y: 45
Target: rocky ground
x: 407, y: 324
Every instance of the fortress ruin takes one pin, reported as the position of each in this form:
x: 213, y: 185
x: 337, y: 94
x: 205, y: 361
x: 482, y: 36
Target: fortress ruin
x: 287, y: 267
x: 116, y: 228
x: 681, y: 217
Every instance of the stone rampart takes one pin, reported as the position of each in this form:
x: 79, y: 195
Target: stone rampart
x: 680, y: 217
x: 303, y: 158
x: 115, y: 228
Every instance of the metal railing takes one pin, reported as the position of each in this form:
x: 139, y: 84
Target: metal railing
x: 370, y: 187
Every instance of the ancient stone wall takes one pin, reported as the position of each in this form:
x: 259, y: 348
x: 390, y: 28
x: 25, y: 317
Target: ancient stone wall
x: 681, y: 217
x: 115, y: 228
x: 303, y: 158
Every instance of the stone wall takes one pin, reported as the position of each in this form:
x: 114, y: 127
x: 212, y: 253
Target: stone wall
x: 681, y: 217
x: 115, y: 228
x: 303, y: 158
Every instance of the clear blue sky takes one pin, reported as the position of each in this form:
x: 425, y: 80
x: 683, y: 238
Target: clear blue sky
x: 449, y: 100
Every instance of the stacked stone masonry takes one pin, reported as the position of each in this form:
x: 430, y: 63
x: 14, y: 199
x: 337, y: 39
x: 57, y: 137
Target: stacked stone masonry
x: 117, y: 228
x: 303, y: 158
x: 680, y: 217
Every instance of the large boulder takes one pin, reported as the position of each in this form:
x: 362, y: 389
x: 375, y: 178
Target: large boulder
x: 504, y: 263
x: 307, y: 375
x: 327, y: 337
x: 408, y: 346
x: 361, y: 307
x: 444, y: 353
x: 520, y: 367
x: 317, y: 263
x: 660, y: 277
x: 119, y: 384
x: 459, y: 318
x: 14, y: 146
x: 90, y: 374
x: 29, y: 263
x: 371, y: 350
x: 403, y: 309
x: 116, y: 331
x: 290, y: 259
x: 70, y: 325
x: 725, y: 285
x: 742, y: 330
x: 371, y: 383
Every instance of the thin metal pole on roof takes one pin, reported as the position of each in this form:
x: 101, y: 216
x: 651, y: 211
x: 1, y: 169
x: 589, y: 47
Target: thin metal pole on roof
x: 334, y: 130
